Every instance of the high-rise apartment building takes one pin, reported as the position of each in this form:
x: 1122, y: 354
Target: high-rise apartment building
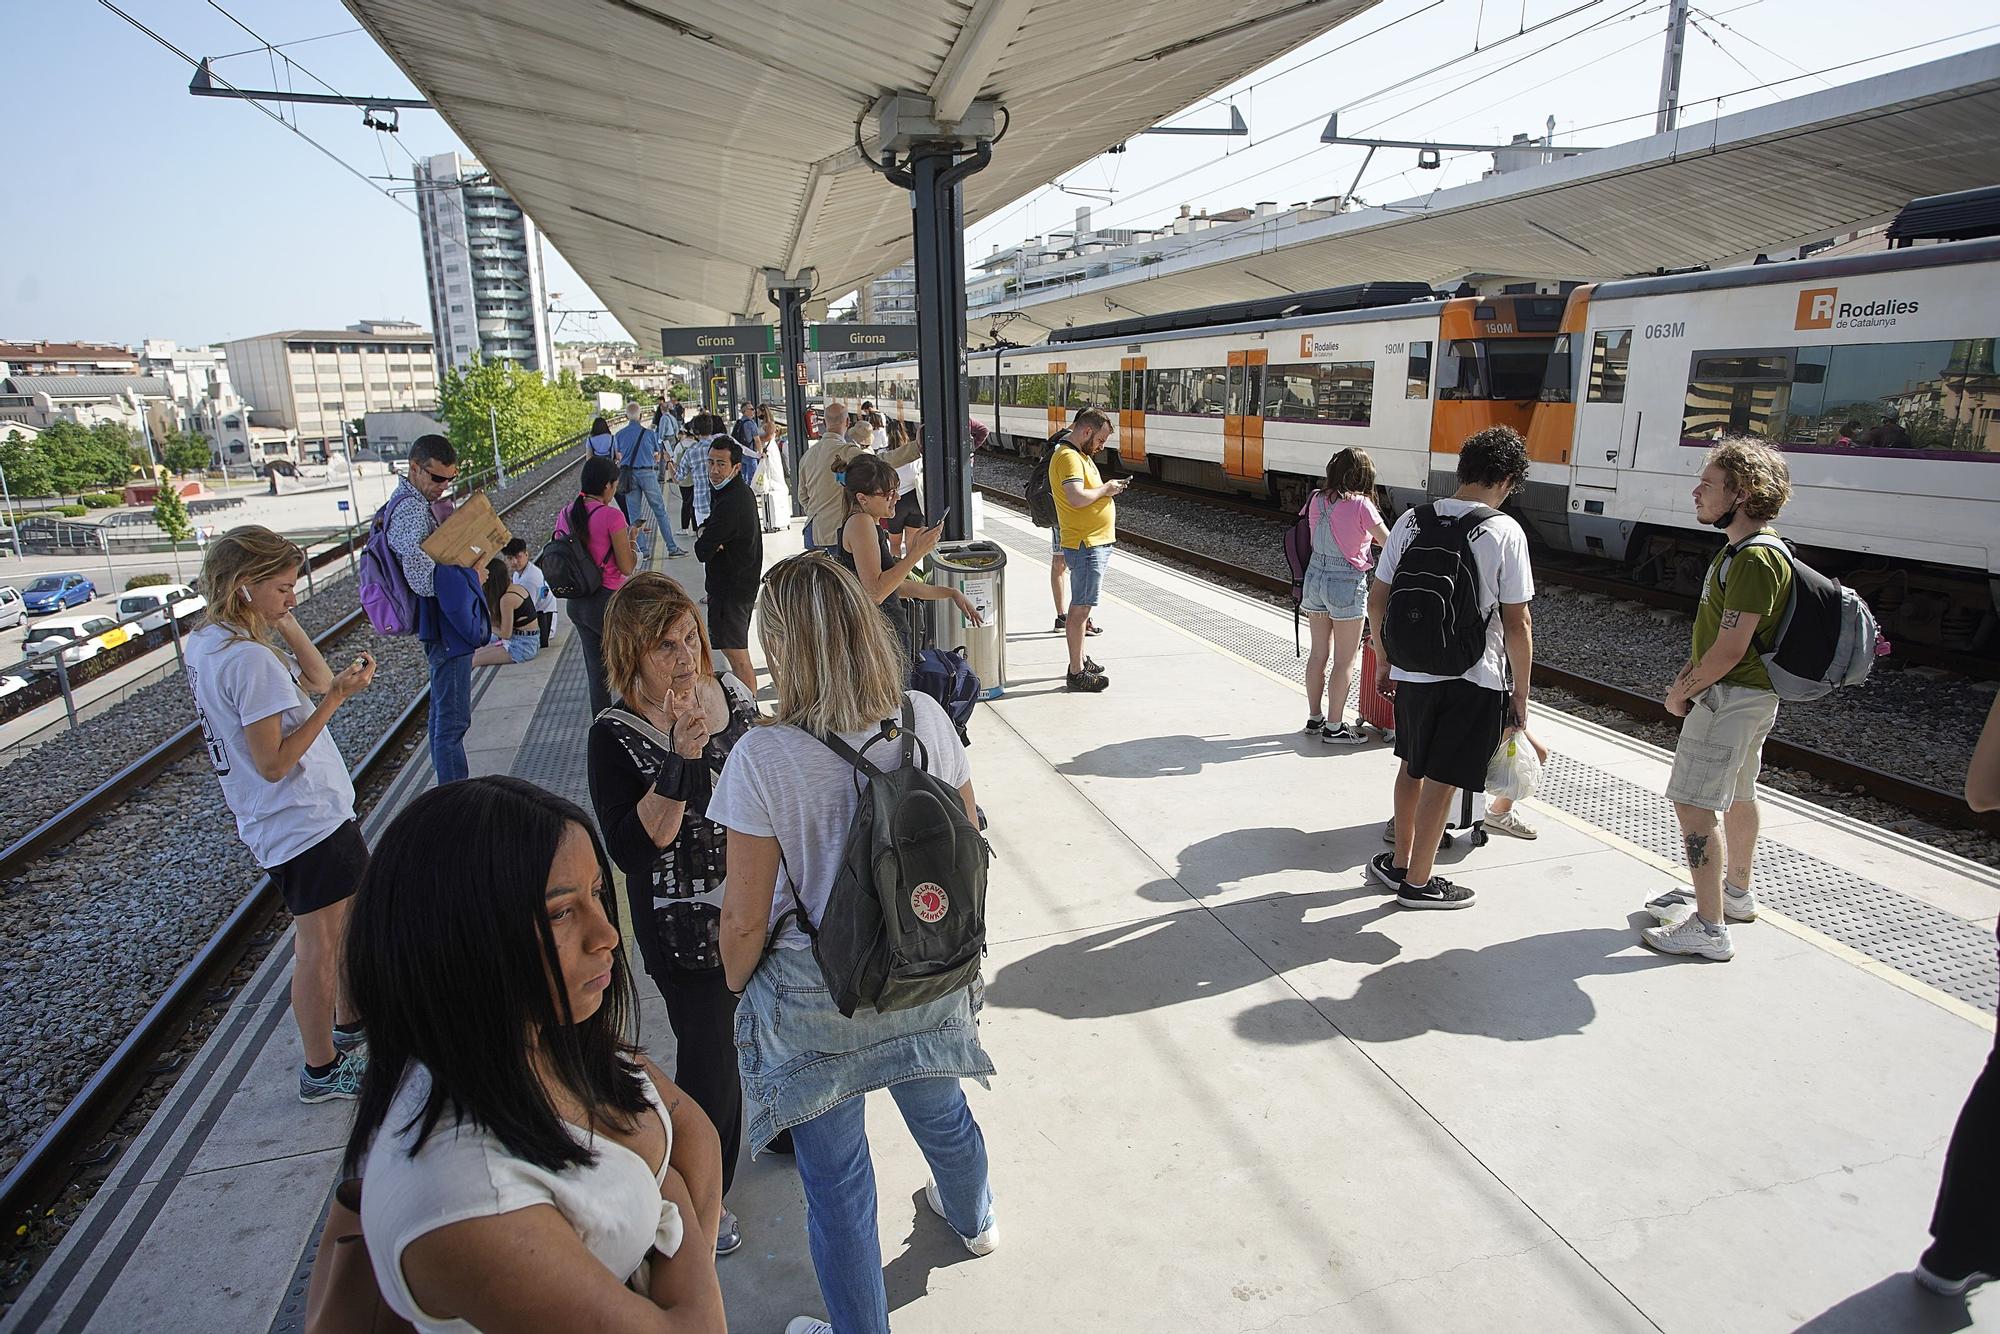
x: 483, y: 261
x: 316, y: 381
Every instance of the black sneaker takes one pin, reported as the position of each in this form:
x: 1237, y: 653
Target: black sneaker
x: 1439, y: 893
x: 1061, y: 622
x: 1087, y: 681
x: 1383, y: 867
x: 1091, y: 665
x: 1314, y: 726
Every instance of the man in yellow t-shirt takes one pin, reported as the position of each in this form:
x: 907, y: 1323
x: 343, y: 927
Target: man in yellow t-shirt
x: 1087, y: 521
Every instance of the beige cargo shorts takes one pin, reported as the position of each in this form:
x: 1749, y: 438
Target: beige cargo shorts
x: 1721, y: 747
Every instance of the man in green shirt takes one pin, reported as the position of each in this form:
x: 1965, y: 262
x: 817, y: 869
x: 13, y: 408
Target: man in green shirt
x: 1723, y: 697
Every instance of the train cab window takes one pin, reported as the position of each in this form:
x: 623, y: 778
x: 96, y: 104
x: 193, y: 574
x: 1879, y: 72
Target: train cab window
x: 1516, y: 367
x: 1610, y: 352
x: 1559, y: 376
x: 1460, y: 372
x: 1417, y: 379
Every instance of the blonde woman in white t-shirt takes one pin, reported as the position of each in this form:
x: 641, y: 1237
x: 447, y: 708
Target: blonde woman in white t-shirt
x: 252, y: 668
x: 524, y: 1167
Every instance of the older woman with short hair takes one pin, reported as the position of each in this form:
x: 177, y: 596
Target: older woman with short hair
x: 652, y: 761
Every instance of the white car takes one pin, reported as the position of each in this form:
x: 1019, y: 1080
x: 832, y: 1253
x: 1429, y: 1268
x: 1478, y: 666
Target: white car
x: 87, y: 637
x: 153, y: 602
x: 10, y: 684
x: 12, y: 609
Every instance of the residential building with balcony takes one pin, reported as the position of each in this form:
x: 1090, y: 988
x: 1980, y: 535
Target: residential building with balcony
x: 483, y: 265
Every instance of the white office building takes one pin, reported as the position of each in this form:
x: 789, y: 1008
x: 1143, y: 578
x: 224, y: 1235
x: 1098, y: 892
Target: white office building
x: 316, y: 382
x: 483, y: 262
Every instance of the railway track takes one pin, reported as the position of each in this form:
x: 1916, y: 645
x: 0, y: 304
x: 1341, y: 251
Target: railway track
x: 1934, y: 804
x: 49, y: 1164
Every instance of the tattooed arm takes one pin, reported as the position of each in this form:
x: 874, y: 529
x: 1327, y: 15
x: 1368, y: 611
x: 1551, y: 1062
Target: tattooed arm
x: 1722, y: 658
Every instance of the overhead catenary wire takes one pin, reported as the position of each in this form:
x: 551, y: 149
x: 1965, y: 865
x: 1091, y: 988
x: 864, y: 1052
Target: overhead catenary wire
x: 342, y: 162
x: 291, y: 64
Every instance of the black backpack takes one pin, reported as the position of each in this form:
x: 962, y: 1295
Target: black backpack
x: 1826, y: 635
x: 565, y: 560
x: 1298, y: 556
x: 1041, y: 492
x: 1433, y: 624
x: 906, y: 921
x: 946, y: 676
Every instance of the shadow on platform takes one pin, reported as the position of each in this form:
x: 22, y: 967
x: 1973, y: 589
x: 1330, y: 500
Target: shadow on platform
x: 1894, y: 1303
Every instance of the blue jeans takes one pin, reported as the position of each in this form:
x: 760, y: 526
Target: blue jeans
x: 749, y: 469
x: 839, y: 1180
x: 1086, y: 573
x: 451, y: 712
x: 646, y: 493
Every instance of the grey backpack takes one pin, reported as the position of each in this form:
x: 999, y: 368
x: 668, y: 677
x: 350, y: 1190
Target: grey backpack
x: 1827, y: 637
x: 906, y: 921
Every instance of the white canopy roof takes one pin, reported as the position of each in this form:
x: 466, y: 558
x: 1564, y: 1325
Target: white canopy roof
x: 672, y: 148
x: 1711, y: 192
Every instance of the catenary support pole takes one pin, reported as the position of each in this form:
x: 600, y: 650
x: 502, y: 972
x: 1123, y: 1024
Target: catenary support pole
x: 932, y: 175
x: 1670, y: 67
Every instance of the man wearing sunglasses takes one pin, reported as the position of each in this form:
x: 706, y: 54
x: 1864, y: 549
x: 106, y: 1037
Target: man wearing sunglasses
x: 432, y: 470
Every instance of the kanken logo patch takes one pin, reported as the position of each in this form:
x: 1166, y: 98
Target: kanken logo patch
x: 929, y: 903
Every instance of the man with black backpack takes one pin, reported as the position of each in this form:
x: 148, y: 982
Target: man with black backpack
x: 1450, y: 604
x: 1725, y: 700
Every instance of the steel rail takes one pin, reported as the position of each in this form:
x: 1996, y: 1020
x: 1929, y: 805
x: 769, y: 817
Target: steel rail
x: 1936, y: 804
x: 50, y: 1161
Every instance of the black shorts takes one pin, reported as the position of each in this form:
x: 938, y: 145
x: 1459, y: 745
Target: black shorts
x: 1447, y: 731
x: 909, y: 514
x: 729, y: 622
x: 325, y: 873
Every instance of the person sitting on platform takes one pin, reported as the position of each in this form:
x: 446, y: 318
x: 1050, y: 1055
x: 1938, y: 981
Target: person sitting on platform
x: 525, y: 1168
x: 516, y: 623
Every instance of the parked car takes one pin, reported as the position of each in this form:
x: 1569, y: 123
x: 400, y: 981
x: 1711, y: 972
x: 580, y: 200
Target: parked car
x: 153, y: 603
x: 12, y: 609
x: 54, y: 592
x: 87, y: 636
x: 10, y: 684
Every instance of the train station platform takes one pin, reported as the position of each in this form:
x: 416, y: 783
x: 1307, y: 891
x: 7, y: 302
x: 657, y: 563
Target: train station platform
x: 1238, y: 1088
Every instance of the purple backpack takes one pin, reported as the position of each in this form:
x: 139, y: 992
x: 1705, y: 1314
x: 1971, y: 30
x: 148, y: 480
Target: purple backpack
x: 1298, y: 555
x: 385, y: 589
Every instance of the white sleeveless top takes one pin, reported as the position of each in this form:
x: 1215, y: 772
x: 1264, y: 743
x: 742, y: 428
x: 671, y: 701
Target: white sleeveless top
x: 463, y: 1172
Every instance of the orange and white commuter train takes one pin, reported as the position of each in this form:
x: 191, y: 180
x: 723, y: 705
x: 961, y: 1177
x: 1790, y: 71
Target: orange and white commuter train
x: 1619, y: 388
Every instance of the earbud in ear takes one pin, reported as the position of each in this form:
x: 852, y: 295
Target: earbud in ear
x: 243, y: 593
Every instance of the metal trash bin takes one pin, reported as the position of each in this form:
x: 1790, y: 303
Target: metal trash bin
x: 977, y: 569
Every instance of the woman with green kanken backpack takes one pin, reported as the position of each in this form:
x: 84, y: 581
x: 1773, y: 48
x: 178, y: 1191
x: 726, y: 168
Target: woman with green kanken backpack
x: 794, y: 796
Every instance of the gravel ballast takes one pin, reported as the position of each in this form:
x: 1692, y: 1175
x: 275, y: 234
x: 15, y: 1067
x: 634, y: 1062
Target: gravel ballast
x: 91, y: 935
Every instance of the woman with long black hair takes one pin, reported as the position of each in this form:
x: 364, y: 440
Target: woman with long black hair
x: 607, y: 537
x: 525, y: 1168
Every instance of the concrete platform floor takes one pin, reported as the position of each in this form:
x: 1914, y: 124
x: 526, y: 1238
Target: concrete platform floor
x: 1238, y: 1088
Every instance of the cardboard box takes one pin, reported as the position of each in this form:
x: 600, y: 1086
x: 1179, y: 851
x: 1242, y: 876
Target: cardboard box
x: 472, y: 535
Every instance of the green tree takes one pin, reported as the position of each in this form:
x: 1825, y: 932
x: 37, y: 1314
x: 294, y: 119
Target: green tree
x: 185, y: 453
x: 170, y: 515
x: 29, y: 472
x: 527, y: 412
x: 679, y: 392
x: 595, y: 384
x: 83, y: 460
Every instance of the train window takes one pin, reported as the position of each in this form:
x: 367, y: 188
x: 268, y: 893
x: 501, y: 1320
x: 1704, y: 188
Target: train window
x: 1007, y: 386
x: 1032, y: 391
x: 1417, y: 379
x: 1737, y: 393
x: 1610, y: 351
x: 1516, y: 367
x: 1460, y: 374
x: 1336, y: 392
x: 1207, y: 390
x: 982, y: 389
x: 1167, y: 391
x: 1933, y: 396
x: 1558, y: 376
x: 1089, y: 389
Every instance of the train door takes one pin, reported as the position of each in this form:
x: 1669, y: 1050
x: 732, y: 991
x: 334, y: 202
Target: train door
x: 1607, y: 436
x: 1243, y: 416
x: 1132, y: 410
x: 1058, y: 396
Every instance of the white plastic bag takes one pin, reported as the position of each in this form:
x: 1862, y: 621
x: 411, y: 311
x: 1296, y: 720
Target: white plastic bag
x: 1514, y: 770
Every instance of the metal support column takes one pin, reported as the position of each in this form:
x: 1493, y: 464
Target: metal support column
x: 931, y: 174
x: 789, y: 296
x: 1670, y: 68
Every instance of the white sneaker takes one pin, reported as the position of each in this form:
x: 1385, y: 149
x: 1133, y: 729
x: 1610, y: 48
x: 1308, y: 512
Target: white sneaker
x: 807, y: 1324
x: 1510, y: 823
x: 982, y: 1244
x: 1671, y: 908
x: 1691, y: 937
x: 1738, y: 905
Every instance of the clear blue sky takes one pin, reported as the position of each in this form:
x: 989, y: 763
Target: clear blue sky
x: 138, y: 211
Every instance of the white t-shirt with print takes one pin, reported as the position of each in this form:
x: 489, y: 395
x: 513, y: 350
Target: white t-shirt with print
x: 781, y: 783
x: 236, y: 683
x: 1500, y: 551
